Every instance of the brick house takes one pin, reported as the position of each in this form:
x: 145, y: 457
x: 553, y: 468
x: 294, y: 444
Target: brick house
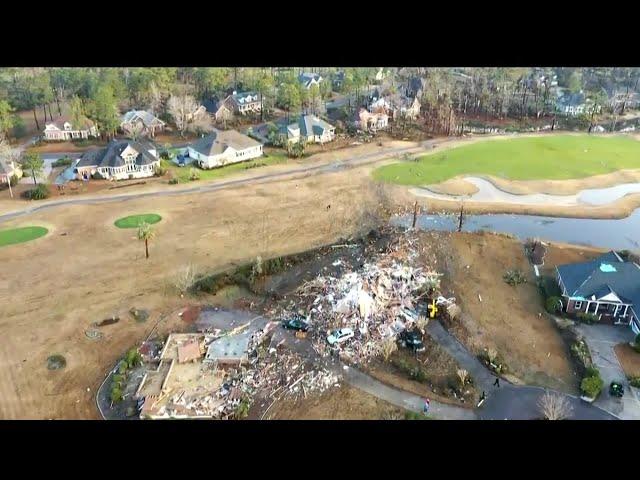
x: 607, y: 286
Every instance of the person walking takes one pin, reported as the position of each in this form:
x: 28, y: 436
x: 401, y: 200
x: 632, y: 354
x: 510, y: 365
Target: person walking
x: 427, y: 402
x: 497, y: 382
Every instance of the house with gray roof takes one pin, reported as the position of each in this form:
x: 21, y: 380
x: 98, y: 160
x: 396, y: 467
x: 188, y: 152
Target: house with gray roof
x: 607, y: 286
x: 309, y: 79
x: 141, y: 121
x: 309, y: 128
x: 119, y: 160
x: 223, y: 147
x: 63, y: 129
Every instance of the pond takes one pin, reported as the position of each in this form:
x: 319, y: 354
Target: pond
x: 616, y: 234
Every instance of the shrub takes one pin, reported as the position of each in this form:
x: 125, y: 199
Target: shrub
x: 173, y: 181
x: 116, y: 395
x: 13, y: 180
x: 637, y: 340
x: 634, y: 382
x: 592, y: 371
x: 62, y: 162
x: 185, y: 279
x: 553, y: 304
x: 580, y: 350
x: 160, y: 171
x: 133, y: 358
x: 122, y: 367
x: 415, y: 416
x: 591, y: 386
x: 118, y: 379
x: 388, y: 347
x: 194, y: 174
x: 588, y: 318
x: 636, y: 347
x: 40, y: 192
x: 514, y: 277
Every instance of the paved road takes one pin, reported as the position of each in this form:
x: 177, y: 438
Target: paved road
x: 512, y: 402
x: 601, y: 339
x: 299, y: 172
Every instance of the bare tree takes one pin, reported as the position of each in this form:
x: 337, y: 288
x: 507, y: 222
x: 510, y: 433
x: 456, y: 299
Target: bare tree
x: 185, y: 278
x: 555, y: 406
x: 155, y: 99
x: 462, y: 376
x: 388, y: 347
x: 182, y: 109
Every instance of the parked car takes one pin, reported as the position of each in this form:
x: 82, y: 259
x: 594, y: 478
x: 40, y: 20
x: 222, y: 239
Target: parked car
x: 297, y: 322
x: 181, y: 161
x: 411, y: 339
x: 340, y: 336
x: 616, y: 389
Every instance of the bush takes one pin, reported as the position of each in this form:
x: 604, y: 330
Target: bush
x: 62, y: 162
x: 514, y: 277
x: 40, y: 192
x: 636, y: 347
x: 415, y: 416
x: 194, y: 174
x: 174, y: 181
x: 588, y: 318
x: 160, y: 171
x: 634, y: 382
x: 553, y: 304
x: 133, y: 358
x: 13, y: 180
x: 637, y: 341
x: 591, y: 386
x: 116, y: 395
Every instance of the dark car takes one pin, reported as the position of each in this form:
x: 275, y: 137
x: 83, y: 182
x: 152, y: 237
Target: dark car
x: 296, y: 322
x: 411, y: 339
x: 616, y: 389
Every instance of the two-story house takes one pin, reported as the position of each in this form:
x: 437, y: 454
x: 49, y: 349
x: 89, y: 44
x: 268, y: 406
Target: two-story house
x: 141, y: 121
x: 119, y: 160
x: 63, y: 129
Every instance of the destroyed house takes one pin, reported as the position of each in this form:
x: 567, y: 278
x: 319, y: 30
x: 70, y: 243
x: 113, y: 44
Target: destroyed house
x: 607, y: 286
x: 229, y: 350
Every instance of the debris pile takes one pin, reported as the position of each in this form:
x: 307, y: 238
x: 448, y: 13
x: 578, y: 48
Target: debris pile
x: 377, y: 301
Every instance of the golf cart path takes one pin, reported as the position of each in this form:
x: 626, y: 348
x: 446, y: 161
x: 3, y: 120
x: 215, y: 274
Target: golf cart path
x: 290, y: 174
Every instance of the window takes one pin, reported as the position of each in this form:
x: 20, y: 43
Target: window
x: 577, y: 305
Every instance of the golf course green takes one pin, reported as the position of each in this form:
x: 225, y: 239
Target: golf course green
x: 134, y: 220
x: 20, y: 235
x: 557, y: 157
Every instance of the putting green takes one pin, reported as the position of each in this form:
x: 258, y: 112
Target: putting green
x: 19, y: 235
x: 134, y: 220
x: 557, y: 157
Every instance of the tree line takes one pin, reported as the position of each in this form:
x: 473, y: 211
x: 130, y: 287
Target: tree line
x: 450, y: 97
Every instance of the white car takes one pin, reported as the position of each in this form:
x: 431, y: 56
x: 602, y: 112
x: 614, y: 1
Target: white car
x: 339, y: 336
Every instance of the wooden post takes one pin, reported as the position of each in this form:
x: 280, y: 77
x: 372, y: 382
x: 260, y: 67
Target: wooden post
x: 415, y: 214
x: 460, y: 218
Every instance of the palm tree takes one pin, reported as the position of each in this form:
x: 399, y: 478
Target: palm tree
x: 146, y: 233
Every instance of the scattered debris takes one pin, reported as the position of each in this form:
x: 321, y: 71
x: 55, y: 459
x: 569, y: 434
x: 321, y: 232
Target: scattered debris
x: 93, y: 334
x: 139, y: 316
x: 107, y: 321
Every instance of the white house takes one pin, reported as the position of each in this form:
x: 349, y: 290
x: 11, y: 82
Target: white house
x: 311, y: 129
x: 224, y: 147
x: 63, y: 129
x: 121, y: 159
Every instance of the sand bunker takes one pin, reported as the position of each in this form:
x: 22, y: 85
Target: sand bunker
x: 487, y: 192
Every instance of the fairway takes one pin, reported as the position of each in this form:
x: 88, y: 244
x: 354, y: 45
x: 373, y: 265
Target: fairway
x: 19, y: 235
x: 134, y: 220
x: 533, y: 158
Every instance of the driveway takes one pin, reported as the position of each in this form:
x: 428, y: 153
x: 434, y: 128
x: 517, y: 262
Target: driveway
x: 601, y: 339
x: 48, y: 159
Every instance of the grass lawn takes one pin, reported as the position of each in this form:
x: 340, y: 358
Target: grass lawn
x: 533, y: 158
x: 182, y: 173
x: 134, y: 220
x: 19, y: 235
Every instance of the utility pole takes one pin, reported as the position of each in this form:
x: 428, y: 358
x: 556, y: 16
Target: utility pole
x: 460, y: 219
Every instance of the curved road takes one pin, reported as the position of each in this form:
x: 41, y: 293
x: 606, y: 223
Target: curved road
x: 293, y: 173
